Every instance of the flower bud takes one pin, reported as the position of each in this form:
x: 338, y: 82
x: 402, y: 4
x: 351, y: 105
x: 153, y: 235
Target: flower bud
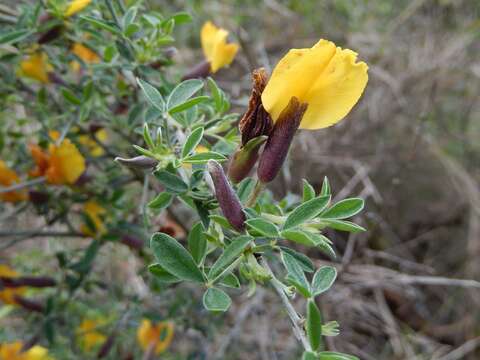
x: 38, y: 197
x: 132, y: 242
x: 51, y: 35
x: 278, y: 143
x: 228, y: 200
x: 244, y: 159
x: 201, y: 70
x: 30, y: 305
x: 35, y: 282
x: 139, y: 162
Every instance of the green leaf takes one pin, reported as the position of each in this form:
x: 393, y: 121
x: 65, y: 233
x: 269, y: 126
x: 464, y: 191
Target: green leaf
x: 306, y: 211
x: 162, y: 275
x: 263, y: 227
x: 326, y: 190
x: 182, y: 92
x: 70, y: 97
x: 188, y: 104
x: 343, y: 225
x: 296, y: 275
x: 331, y: 355
x: 244, y: 189
x: 172, y: 183
x: 218, y: 96
x: 192, y: 141
x: 344, y: 209
x: 161, y: 201
x: 173, y: 257
x: 298, y: 236
x: 323, y: 279
x: 230, y: 280
x: 129, y: 17
x: 222, y: 221
x: 314, y: 325
x: 152, y: 94
x: 308, y: 191
x: 202, y: 158
x: 197, y: 243
x: 308, y: 355
x: 14, y: 36
x: 302, y: 260
x: 216, y: 300
x: 102, y: 24
x: 231, y: 252
x: 182, y: 18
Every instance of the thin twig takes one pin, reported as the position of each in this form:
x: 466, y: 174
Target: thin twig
x: 23, y: 185
x: 292, y: 313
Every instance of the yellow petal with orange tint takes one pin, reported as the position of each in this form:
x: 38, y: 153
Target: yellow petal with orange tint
x: 66, y: 163
x: 36, y: 67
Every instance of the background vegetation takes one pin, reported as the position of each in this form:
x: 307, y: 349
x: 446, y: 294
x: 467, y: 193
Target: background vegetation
x: 410, y: 148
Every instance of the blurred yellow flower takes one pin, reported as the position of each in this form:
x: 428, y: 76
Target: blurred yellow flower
x: 62, y: 164
x: 88, y: 335
x: 13, y: 351
x: 86, y: 54
x: 325, y: 77
x: 158, y: 336
x: 9, y: 177
x: 94, y: 149
x: 7, y: 294
x: 75, y: 6
x: 215, y: 48
x: 37, y: 67
x: 95, y: 213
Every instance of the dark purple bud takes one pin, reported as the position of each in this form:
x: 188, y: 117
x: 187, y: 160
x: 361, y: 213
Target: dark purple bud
x: 201, y: 71
x: 94, y: 127
x: 132, y: 242
x: 106, y: 347
x: 228, y: 200
x: 30, y: 305
x: 38, y: 197
x: 83, y: 179
x: 278, y: 143
x: 36, y: 282
x: 56, y: 79
x: 139, y: 162
x: 51, y: 34
x: 244, y: 159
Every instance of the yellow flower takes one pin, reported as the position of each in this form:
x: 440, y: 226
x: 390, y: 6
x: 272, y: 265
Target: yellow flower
x: 75, y: 6
x: 86, y: 54
x: 93, y: 147
x: 7, y: 295
x: 62, y: 164
x: 13, y: 351
x: 325, y: 77
x: 88, y: 336
x: 158, y: 336
x: 9, y: 177
x: 95, y: 213
x: 215, y: 48
x: 36, y: 67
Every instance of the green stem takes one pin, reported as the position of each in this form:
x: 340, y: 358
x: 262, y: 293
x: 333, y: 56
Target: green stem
x: 259, y: 186
x: 292, y: 313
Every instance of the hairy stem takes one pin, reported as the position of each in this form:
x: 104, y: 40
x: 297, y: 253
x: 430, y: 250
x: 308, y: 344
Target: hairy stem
x: 292, y: 313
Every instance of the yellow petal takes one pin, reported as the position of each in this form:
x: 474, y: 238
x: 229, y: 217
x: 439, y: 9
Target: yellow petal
x: 66, y: 163
x: 325, y: 77
x: 95, y: 213
x: 76, y: 6
x: 36, y: 353
x: 9, y: 177
x: 7, y: 295
x: 159, y: 335
x: 88, y: 335
x: 215, y: 47
x: 36, y: 67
